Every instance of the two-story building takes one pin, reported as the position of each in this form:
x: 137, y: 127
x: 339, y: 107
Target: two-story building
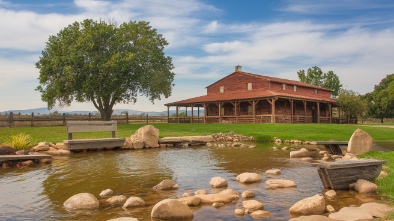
x: 243, y: 97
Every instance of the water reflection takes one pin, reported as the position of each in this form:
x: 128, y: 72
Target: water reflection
x: 38, y: 193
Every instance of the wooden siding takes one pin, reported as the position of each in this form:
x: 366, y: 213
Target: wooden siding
x: 237, y: 82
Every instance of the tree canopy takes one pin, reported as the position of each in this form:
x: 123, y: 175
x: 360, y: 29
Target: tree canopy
x: 352, y: 103
x: 316, y: 77
x: 106, y: 64
x: 381, y: 100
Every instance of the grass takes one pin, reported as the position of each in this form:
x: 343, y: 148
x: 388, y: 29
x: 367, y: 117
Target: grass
x: 20, y: 142
x: 261, y: 132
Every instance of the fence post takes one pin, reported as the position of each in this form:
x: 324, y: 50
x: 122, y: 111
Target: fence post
x: 127, y: 117
x: 64, y: 119
x: 32, y: 119
x: 10, y: 119
x: 90, y: 116
x: 147, y: 119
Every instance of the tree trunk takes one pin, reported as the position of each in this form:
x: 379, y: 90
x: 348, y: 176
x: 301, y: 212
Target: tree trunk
x: 106, y: 114
x: 381, y: 120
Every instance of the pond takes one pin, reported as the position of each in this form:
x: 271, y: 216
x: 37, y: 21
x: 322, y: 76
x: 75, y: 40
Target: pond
x: 38, y: 192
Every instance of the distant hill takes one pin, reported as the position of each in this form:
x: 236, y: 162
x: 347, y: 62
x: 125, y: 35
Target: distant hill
x: 45, y: 111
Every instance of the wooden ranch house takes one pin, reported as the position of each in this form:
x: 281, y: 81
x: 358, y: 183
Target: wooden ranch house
x: 243, y: 97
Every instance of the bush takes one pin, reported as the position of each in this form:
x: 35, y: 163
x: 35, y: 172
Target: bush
x: 21, y: 142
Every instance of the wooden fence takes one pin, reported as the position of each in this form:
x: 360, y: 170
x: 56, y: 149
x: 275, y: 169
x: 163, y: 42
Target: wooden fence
x: 18, y: 120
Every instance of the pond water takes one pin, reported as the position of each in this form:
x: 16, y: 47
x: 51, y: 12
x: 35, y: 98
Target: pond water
x: 38, y: 192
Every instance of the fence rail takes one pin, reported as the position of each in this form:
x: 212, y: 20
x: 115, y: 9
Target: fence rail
x: 16, y: 120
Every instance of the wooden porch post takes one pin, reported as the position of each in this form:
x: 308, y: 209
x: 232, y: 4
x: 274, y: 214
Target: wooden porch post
x: 205, y: 113
x: 330, y: 112
x: 292, y: 110
x: 192, y: 113
x: 254, y: 111
x: 318, y: 112
x: 304, y: 111
x: 273, y: 120
x: 168, y: 114
x: 220, y: 112
x: 176, y: 113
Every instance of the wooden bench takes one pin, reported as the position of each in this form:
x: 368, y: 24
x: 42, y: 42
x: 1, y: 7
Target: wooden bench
x: 92, y: 126
x: 333, y: 147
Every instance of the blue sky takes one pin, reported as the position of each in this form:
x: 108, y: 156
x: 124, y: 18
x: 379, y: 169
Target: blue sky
x: 208, y: 38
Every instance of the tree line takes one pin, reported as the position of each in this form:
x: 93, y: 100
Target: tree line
x: 377, y: 104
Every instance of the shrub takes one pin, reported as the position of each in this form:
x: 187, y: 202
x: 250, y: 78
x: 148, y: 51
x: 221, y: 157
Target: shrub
x: 21, y: 141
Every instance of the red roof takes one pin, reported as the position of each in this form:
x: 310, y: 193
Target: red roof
x: 255, y: 94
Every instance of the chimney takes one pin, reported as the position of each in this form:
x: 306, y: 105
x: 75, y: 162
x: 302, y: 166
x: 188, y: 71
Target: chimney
x: 238, y: 68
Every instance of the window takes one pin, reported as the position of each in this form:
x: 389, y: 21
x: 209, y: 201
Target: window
x: 315, y: 91
x: 295, y: 88
x: 249, y: 86
x: 284, y: 86
x: 221, y: 89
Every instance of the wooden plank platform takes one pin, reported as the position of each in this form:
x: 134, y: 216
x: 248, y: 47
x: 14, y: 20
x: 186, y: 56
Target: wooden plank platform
x: 34, y: 156
x: 333, y: 147
x: 83, y: 144
x: 340, y: 174
x: 189, y: 140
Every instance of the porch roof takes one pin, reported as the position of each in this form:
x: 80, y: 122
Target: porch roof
x: 247, y: 95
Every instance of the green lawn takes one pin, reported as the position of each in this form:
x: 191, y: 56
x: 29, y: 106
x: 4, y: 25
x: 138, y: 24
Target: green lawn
x: 261, y: 132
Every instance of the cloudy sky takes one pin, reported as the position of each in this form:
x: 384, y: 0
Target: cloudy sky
x: 207, y: 38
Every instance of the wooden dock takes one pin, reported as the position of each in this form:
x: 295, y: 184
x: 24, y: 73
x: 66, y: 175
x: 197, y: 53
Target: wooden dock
x: 333, y: 147
x: 35, y: 156
x: 340, y: 174
x: 84, y: 144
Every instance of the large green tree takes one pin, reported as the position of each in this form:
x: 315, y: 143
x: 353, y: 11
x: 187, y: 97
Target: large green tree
x: 352, y: 103
x: 106, y: 64
x: 316, y: 77
x: 381, y: 100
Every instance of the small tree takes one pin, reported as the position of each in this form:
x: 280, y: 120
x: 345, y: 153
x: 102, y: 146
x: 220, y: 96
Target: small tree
x: 381, y: 100
x: 106, y: 64
x: 352, y: 103
x: 316, y: 77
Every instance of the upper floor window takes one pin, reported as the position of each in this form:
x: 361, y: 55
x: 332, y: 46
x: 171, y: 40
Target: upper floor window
x: 295, y: 88
x: 221, y: 89
x: 284, y: 86
x: 249, y: 86
x: 315, y: 91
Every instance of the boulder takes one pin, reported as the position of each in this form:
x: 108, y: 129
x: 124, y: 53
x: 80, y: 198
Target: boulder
x: 56, y: 152
x: 218, y: 205
x: 314, y: 205
x: 230, y: 191
x: 128, y: 144
x: 26, y: 163
x: 330, y: 194
x: 247, y: 194
x: 218, y: 182
x: 106, y: 193
x: 364, y: 186
x: 217, y: 198
x: 367, y: 211
x: 200, y: 192
x: 117, y: 200
x: 41, y: 147
x: 166, y: 185
x: 249, y: 178
x: 313, y: 218
x: 133, y: 202
x: 82, y: 201
x: 278, y: 183
x: 330, y: 209
x: 148, y: 134
x: 360, y: 142
x: 349, y: 156
x: 138, y: 143
x: 252, y: 205
x: 171, y: 209
x: 190, y: 200
x: 302, y: 153
x: 239, y: 212
x: 260, y: 214
x: 273, y: 172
